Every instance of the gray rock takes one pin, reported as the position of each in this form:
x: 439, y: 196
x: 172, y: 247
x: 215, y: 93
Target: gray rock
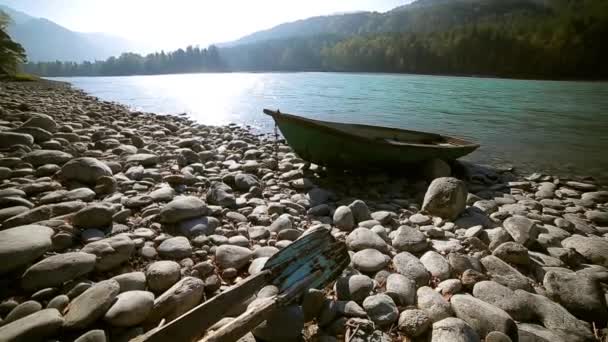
x: 221, y: 194
x: 39, y: 120
x: 453, y: 330
x: 80, y: 194
x: 363, y: 238
x: 504, y: 274
x: 132, y: 281
x: 537, y: 333
x: 244, y: 181
x: 409, y: 266
x: 161, y: 275
x: 36, y: 327
x: 483, y: 317
x: 162, y: 194
x: 42, y: 157
x: 436, y: 265
x: 183, y: 208
x: 57, y: 269
x: 370, y: 260
x: 581, y: 295
x: 91, y: 304
x: 93, y: 216
x: 175, y: 248
x: 22, y: 310
x: 497, y: 336
x: 593, y: 248
x: 9, y: 212
x: 180, y: 298
x: 130, y: 308
x: 257, y: 265
x: 597, y: 217
x: 85, y: 170
x: 205, y: 225
x: 96, y: 335
x: 282, y: 222
x: 450, y: 286
x: 20, y: 246
x: 59, y: 302
x: 401, y: 289
x: 414, y: 323
x: 283, y: 324
x: 360, y: 211
x: 229, y: 256
x: 381, y: 309
x: 522, y: 229
x: 436, y: 307
x: 145, y: 159
x: 110, y: 252
x: 556, y: 318
x: 512, y: 252
x: 8, y: 139
x: 343, y: 218
x: 446, y: 197
x: 355, y: 287
x: 504, y: 298
x: 408, y: 239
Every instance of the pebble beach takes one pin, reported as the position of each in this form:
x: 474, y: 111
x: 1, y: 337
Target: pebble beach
x: 113, y: 220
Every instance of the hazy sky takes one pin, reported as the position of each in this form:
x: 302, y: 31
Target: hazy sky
x: 176, y: 23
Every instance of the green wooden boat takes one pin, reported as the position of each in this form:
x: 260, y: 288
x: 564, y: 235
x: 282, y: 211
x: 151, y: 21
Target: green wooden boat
x: 342, y: 145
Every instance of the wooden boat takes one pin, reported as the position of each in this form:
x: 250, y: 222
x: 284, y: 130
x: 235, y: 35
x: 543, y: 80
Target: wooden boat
x: 343, y: 145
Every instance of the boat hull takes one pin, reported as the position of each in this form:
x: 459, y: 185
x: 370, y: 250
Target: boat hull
x: 333, y: 148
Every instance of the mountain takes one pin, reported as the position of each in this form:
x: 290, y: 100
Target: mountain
x: 45, y: 40
x: 418, y: 16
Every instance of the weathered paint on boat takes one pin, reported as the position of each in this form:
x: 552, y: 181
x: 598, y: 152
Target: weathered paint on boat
x: 362, y: 146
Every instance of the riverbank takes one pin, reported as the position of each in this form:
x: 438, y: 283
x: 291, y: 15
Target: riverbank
x: 113, y: 220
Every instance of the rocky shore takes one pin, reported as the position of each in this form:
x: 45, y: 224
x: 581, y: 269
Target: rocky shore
x: 113, y: 220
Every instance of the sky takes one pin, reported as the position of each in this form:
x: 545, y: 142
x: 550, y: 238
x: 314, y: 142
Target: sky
x: 170, y: 24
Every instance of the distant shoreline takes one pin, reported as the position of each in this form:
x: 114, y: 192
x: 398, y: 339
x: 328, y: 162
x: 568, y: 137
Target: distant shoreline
x: 354, y: 73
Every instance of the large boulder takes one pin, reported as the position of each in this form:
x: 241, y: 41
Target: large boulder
x: 411, y: 267
x: 580, y: 294
x: 8, y: 139
x: 130, y: 308
x: 433, y: 303
x: 230, y: 256
x: 595, y: 249
x: 43, y: 121
x: 85, y: 170
x: 408, y: 239
x: 521, y: 229
x: 91, y: 304
x: 110, y: 252
x: 38, y: 326
x: 363, y: 238
x: 343, y: 218
x: 42, y: 157
x: 446, y: 197
x: 221, y: 194
x: 57, y: 269
x: 21, y: 245
x: 453, y: 329
x: 483, y: 317
x: 381, y: 309
x: 183, y: 208
x: 180, y: 298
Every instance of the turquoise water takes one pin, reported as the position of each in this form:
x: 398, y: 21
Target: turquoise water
x: 549, y: 126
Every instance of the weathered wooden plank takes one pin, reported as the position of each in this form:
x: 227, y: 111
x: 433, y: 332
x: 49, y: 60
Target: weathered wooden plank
x: 195, y: 322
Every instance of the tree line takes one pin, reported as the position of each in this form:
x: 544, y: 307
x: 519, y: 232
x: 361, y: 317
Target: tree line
x: 190, y: 60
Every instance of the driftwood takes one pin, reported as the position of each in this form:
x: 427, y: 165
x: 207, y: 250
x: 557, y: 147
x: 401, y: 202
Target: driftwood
x: 313, y: 261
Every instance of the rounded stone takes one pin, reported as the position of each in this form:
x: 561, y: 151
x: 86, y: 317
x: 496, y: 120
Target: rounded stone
x: 414, y: 323
x: 370, y: 260
x: 130, y: 308
x: 161, y: 275
x: 175, y: 248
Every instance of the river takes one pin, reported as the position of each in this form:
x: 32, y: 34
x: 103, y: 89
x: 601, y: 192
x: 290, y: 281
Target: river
x: 548, y: 126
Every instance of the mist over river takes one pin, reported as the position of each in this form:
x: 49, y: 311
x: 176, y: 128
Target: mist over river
x: 546, y: 126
